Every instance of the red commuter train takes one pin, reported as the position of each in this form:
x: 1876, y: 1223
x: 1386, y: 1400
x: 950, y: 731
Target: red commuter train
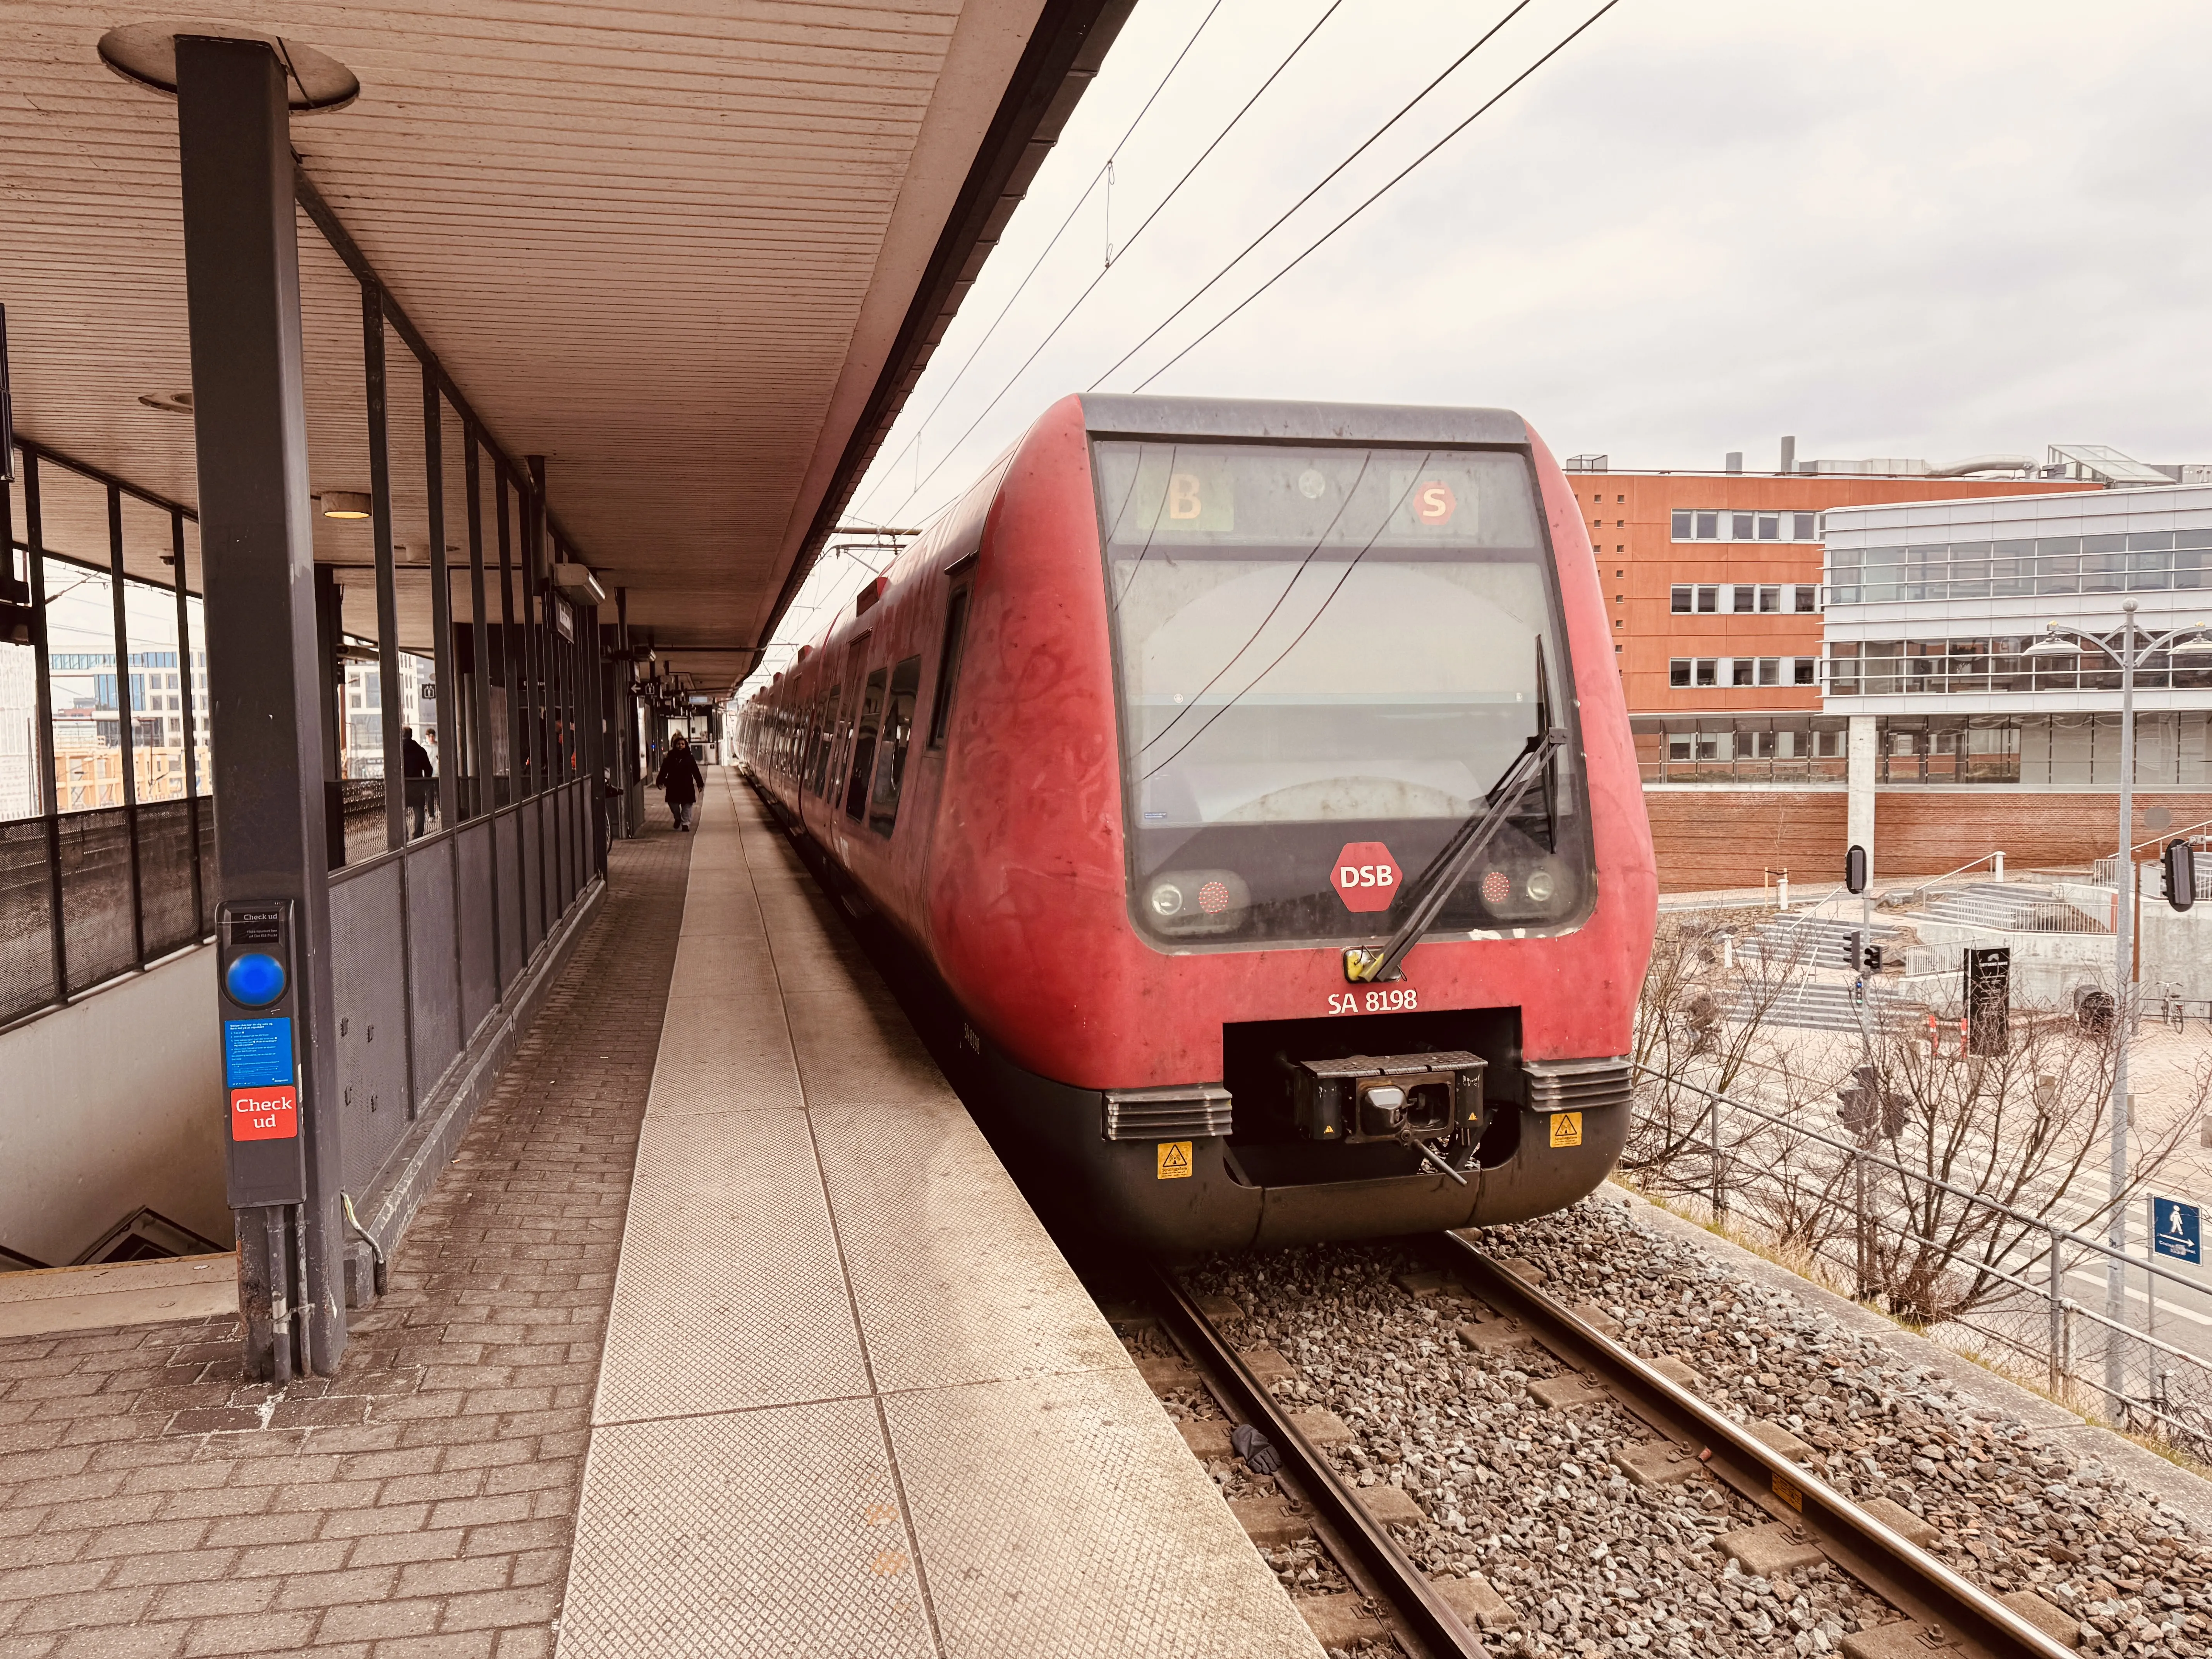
x: 1251, y: 785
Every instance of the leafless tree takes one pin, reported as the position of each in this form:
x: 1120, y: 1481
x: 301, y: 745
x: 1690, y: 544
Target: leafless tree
x: 1705, y: 1022
x: 2027, y: 1127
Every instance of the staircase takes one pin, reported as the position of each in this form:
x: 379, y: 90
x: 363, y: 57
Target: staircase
x: 1811, y: 1007
x: 1809, y: 943
x: 2011, y: 908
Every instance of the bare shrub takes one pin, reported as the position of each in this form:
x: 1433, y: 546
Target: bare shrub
x: 2027, y: 1128
x: 1704, y: 1023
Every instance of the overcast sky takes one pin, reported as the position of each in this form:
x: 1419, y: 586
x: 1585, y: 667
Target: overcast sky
x: 1939, y: 229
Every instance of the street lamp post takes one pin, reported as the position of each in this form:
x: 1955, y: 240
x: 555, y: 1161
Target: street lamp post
x: 2194, y: 640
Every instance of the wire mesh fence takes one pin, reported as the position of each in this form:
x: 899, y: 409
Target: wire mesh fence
x: 2018, y: 1277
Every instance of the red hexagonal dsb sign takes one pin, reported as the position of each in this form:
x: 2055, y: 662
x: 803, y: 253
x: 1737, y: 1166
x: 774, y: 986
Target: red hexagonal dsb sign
x: 1366, y: 877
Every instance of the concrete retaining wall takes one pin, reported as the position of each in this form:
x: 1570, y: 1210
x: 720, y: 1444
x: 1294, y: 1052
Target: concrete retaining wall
x: 110, y: 1103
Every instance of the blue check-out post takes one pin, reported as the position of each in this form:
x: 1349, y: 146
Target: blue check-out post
x: 2176, y: 1230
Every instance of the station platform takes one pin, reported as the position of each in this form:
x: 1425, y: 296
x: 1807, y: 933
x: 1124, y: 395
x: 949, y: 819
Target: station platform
x: 853, y: 1400
x: 724, y: 1334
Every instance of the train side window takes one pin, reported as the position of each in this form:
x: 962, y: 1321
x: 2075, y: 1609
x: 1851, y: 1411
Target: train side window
x: 864, y: 744
x: 948, y: 666
x: 890, y: 752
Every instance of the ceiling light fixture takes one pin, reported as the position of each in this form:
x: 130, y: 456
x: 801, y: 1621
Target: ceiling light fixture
x: 169, y: 402
x: 343, y: 504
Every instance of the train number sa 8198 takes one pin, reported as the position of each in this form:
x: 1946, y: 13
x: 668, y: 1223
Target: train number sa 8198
x: 1383, y: 999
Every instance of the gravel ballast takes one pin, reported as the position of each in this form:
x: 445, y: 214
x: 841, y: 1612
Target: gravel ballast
x: 1537, y: 1500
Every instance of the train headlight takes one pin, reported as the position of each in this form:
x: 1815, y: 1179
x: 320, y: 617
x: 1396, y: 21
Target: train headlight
x: 1192, y: 904
x: 1539, y: 886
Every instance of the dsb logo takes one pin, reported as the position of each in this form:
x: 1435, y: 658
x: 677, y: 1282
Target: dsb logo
x: 1366, y: 877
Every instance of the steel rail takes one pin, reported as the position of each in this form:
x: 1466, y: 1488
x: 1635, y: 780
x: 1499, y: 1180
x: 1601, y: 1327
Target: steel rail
x: 1412, y: 1600
x: 1905, y: 1575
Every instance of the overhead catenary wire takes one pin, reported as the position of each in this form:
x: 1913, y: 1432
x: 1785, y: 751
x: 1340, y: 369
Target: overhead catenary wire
x: 1091, y: 287
x: 1104, y: 173
x: 1390, y: 184
x: 1364, y: 146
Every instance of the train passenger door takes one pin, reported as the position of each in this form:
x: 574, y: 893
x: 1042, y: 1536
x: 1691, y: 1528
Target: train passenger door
x: 890, y: 761
x: 823, y: 740
x: 841, y: 746
x: 864, y: 746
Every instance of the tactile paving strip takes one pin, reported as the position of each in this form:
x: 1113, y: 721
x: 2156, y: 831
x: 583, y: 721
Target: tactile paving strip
x: 706, y: 962
x: 726, y: 1052
x: 1083, y: 1526
x: 853, y: 1047
x: 912, y: 1191
x: 767, y: 1534
x: 738, y: 1497
x: 731, y: 1294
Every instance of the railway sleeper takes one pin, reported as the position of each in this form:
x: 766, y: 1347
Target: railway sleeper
x: 1358, y: 1616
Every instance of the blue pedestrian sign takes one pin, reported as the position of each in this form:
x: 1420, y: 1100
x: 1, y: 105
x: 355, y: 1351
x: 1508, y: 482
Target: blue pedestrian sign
x: 2177, y: 1231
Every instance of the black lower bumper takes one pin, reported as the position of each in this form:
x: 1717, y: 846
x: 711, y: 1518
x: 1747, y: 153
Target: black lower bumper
x: 1188, y: 1196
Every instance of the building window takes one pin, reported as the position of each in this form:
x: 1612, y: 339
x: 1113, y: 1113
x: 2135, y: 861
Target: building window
x: 1770, y: 600
x: 1805, y: 670
x: 1744, y: 601
x: 1697, y: 672
x: 1709, y: 599
x: 2142, y: 561
x: 1679, y: 599
x: 1744, y: 671
x: 1689, y: 525
x: 1808, y: 598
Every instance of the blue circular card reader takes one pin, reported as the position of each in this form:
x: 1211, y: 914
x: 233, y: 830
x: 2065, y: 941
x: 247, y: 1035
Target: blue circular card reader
x: 255, y: 979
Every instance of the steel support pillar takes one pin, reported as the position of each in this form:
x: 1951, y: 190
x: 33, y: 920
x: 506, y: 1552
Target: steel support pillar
x: 264, y: 673
x: 1861, y: 764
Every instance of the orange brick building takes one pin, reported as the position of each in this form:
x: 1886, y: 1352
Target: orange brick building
x: 1749, y: 557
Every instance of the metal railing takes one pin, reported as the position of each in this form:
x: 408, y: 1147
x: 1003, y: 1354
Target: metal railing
x: 2151, y: 874
x: 1854, y: 1211
x: 85, y: 896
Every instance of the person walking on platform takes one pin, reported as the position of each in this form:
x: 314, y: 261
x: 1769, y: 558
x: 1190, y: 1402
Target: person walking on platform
x: 680, y: 780
x: 415, y: 762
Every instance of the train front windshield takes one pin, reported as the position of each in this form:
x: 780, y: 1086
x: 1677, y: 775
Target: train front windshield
x: 1328, y: 658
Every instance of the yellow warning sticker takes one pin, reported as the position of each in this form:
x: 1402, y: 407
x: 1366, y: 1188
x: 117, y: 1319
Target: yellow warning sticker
x: 1175, y: 1160
x: 1566, y: 1128
x: 1788, y: 1493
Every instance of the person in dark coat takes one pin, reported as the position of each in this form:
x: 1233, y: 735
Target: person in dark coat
x: 680, y: 780
x: 415, y: 762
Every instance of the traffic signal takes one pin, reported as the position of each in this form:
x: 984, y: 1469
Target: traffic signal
x: 1873, y: 958
x: 2180, y: 862
x: 1855, y: 870
x: 1853, y: 951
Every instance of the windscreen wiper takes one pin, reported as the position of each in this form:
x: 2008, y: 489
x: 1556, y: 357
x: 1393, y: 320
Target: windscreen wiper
x: 1364, y: 964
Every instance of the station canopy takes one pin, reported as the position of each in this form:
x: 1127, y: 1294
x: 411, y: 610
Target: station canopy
x: 693, y: 254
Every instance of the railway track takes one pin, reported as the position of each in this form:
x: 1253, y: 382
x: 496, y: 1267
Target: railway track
x: 1414, y: 1610
x: 1941, y: 1612
x: 1945, y: 1612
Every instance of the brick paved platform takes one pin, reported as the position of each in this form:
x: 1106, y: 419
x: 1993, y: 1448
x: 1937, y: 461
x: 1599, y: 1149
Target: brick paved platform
x: 421, y: 1502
